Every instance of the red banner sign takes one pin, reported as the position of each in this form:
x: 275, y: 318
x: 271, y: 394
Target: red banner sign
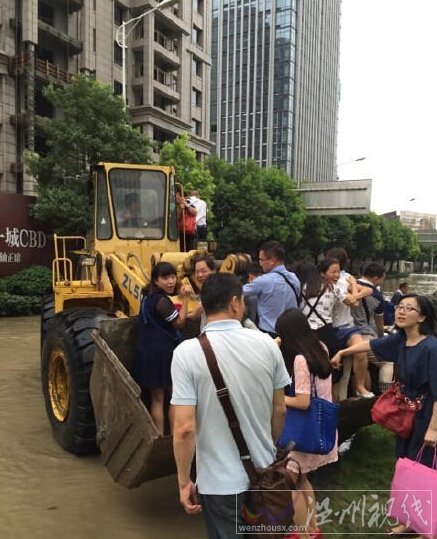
x: 22, y: 242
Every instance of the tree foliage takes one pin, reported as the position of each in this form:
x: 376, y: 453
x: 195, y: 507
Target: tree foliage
x: 316, y: 235
x: 367, y: 241
x: 342, y: 231
x: 399, y: 242
x: 92, y: 125
x: 367, y: 236
x: 426, y: 255
x: 253, y: 205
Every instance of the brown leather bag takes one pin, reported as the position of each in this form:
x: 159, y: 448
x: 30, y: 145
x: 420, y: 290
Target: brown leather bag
x: 269, y: 511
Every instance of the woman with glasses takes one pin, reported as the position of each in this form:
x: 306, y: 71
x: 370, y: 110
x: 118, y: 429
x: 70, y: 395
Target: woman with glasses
x: 414, y: 349
x: 203, y: 266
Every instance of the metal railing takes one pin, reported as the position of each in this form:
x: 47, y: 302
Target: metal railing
x: 62, y: 264
x: 52, y: 70
x: 21, y: 62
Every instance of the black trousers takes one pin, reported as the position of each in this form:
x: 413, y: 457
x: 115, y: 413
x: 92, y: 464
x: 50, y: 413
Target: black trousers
x: 201, y: 232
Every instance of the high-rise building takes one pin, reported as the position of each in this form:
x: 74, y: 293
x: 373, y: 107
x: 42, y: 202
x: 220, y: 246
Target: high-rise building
x: 167, y: 66
x: 274, y: 84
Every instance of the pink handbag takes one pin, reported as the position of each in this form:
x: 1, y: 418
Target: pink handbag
x: 413, y: 496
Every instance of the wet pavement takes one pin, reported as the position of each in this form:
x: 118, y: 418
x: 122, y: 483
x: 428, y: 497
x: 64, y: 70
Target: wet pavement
x: 48, y: 493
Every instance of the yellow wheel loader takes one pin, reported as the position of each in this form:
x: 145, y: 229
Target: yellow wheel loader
x: 88, y: 325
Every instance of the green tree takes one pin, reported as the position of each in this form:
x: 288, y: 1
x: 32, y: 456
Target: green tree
x: 342, y: 230
x: 367, y: 241
x: 190, y: 172
x: 426, y: 254
x: 410, y: 245
x: 92, y: 125
x: 321, y: 232
x: 392, y: 241
x: 316, y: 236
x: 399, y: 243
x: 253, y: 204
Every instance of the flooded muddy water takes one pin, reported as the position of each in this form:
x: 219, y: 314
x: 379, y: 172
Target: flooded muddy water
x: 48, y: 493
x: 420, y: 283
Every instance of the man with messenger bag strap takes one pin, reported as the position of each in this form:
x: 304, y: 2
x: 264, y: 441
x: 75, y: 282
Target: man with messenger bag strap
x: 270, y: 488
x: 253, y: 368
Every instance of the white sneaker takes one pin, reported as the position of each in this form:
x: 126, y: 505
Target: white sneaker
x: 368, y: 395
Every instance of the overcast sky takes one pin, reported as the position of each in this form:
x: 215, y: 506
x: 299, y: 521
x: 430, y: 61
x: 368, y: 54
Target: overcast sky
x: 388, y: 103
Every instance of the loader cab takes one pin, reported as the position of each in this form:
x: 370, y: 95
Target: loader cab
x: 135, y: 202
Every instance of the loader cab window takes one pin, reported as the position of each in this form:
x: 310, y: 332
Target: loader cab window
x: 139, y: 203
x: 103, y: 221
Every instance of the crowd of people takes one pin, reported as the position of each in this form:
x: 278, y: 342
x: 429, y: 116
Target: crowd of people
x: 309, y: 327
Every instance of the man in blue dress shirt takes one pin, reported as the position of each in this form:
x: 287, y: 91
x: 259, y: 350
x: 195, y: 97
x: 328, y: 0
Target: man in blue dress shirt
x: 276, y: 291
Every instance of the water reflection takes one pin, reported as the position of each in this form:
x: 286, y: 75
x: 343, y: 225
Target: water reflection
x: 46, y: 492
x: 423, y: 283
x: 420, y: 283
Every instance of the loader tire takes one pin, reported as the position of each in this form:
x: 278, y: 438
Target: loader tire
x: 47, y: 315
x: 66, y: 364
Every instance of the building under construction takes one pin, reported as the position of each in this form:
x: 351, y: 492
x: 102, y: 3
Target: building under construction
x: 167, y: 67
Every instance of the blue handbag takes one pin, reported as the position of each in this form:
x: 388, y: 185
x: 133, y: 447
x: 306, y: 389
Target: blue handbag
x: 313, y: 430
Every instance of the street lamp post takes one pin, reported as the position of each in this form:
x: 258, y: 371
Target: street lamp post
x: 348, y: 162
x: 351, y: 161
x: 121, y: 36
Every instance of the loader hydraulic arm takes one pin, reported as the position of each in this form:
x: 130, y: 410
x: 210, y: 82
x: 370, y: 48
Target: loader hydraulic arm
x: 129, y: 277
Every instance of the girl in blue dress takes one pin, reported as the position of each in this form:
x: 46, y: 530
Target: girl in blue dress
x: 158, y: 336
x: 414, y: 351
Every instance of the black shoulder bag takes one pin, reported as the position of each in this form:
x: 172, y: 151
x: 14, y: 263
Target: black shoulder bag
x: 291, y: 285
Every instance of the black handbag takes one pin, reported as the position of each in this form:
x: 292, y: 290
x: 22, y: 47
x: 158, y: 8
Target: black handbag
x: 270, y: 503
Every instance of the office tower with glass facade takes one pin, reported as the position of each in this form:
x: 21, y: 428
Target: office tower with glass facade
x: 274, y: 84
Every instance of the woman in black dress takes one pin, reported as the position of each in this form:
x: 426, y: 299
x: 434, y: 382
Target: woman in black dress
x: 158, y: 336
x: 414, y: 350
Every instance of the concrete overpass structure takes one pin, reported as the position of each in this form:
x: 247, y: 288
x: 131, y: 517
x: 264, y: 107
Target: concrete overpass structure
x: 427, y: 237
x: 345, y: 197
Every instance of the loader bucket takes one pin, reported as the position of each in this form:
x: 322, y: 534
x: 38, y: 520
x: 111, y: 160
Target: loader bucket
x: 131, y: 447
x: 354, y: 413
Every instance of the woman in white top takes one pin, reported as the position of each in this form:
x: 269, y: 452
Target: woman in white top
x: 330, y: 271
x: 317, y: 301
x: 318, y: 295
